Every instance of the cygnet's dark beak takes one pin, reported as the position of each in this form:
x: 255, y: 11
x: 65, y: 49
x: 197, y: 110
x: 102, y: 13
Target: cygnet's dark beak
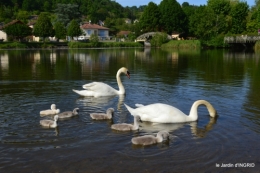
x: 128, y: 74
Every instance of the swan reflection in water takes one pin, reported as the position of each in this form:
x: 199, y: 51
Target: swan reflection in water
x: 153, y: 128
x: 197, y: 131
x: 101, y: 102
x: 149, y: 127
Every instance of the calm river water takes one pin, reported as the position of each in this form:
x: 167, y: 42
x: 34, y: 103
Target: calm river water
x: 31, y: 80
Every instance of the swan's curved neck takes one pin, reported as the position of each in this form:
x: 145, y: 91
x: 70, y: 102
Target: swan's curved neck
x: 193, y: 116
x: 109, y: 114
x: 159, y: 137
x: 136, y: 124
x: 119, y: 82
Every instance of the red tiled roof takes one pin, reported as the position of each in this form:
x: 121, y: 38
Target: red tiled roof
x: 92, y: 26
x: 13, y: 22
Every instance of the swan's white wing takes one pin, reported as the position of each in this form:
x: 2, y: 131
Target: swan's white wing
x: 101, y: 88
x: 158, y: 112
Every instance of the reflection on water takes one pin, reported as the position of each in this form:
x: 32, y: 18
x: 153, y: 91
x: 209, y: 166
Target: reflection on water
x: 32, y: 80
x: 149, y: 127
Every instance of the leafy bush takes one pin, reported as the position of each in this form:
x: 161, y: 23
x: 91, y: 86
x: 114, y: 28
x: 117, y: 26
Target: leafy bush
x: 158, y: 39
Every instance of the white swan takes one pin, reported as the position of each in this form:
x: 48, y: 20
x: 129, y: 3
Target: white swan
x: 103, y: 116
x: 98, y: 89
x: 52, y: 111
x: 50, y: 123
x: 69, y: 114
x: 163, y: 113
x: 150, y: 139
x: 128, y: 127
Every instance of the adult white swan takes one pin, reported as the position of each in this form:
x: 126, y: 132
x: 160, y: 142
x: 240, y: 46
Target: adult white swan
x: 163, y: 113
x: 98, y: 89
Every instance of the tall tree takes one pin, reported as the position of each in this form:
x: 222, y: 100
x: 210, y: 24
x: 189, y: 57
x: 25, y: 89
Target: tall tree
x: 219, y: 6
x: 66, y: 12
x: 189, y: 10
x: 60, y: 30
x: 202, y: 23
x: 239, y: 13
x: 74, y: 29
x: 172, y: 17
x: 150, y: 19
x: 23, y: 16
x: 43, y: 27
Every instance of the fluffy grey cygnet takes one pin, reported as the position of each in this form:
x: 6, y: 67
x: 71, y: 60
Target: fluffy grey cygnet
x: 103, y: 116
x: 69, y: 114
x: 50, y: 123
x: 150, y: 139
x: 128, y: 127
x: 52, y: 111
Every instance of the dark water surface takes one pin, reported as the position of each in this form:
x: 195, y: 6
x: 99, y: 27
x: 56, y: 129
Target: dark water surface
x: 31, y: 80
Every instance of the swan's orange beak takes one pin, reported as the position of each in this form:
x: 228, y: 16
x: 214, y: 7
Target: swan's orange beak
x: 128, y: 74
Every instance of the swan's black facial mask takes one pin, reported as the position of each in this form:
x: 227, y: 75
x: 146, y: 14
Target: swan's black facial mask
x: 128, y: 74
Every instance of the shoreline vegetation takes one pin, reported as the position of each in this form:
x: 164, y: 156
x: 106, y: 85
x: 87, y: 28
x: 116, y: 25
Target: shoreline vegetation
x: 173, y: 44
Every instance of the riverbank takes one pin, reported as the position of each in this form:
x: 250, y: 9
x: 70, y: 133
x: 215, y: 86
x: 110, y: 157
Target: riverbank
x: 182, y: 44
x: 173, y: 44
x: 41, y: 45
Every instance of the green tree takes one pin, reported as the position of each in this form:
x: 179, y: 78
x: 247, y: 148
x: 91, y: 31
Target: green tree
x: 6, y: 14
x: 94, y: 40
x: 74, y: 29
x: 150, y: 19
x: 18, y: 31
x: 60, y: 30
x: 43, y: 27
x: 219, y: 6
x: 202, y: 23
x: 172, y: 17
x: 239, y: 13
x: 67, y: 12
x: 158, y: 39
x: 22, y: 16
x: 189, y: 10
x: 32, y: 5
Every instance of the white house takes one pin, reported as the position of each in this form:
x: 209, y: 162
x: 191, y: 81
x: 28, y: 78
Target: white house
x: 3, y: 35
x: 89, y: 29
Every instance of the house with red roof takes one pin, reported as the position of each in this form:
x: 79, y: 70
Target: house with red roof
x: 89, y: 29
x: 3, y: 34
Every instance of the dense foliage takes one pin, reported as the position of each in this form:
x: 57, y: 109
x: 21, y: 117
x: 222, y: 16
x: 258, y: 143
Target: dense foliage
x: 208, y: 23
x: 74, y: 29
x: 18, y: 31
x: 43, y: 27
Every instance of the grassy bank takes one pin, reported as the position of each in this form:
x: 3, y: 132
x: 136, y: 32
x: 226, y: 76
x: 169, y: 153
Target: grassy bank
x: 182, y: 44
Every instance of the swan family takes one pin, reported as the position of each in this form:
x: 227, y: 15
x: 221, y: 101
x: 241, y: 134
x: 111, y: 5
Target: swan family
x: 156, y: 113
